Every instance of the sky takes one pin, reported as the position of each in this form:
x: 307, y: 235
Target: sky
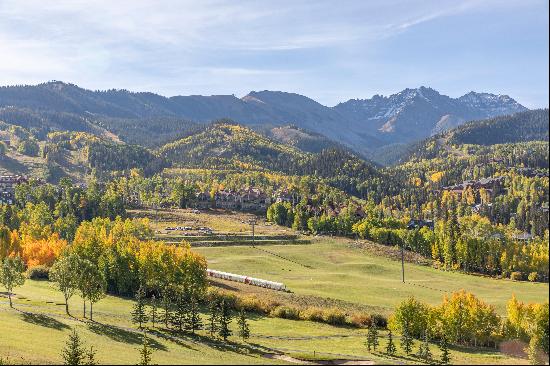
x: 330, y: 51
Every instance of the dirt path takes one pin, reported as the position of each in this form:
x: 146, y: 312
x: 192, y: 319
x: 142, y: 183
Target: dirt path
x: 342, y: 361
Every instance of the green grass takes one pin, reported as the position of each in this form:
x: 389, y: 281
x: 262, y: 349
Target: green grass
x: 36, y: 331
x: 331, y: 268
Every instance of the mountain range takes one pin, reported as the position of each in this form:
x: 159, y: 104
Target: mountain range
x: 365, y: 125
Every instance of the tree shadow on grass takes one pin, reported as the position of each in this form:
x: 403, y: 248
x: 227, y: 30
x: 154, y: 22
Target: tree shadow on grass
x: 247, y: 349
x: 43, y: 320
x: 170, y: 338
x: 122, y: 335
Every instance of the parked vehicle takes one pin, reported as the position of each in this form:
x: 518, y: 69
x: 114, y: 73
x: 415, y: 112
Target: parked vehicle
x: 277, y: 286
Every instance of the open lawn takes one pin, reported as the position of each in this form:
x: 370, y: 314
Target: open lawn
x: 36, y: 331
x: 327, y: 272
x: 338, y: 269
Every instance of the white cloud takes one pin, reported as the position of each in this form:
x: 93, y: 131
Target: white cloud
x: 173, y: 46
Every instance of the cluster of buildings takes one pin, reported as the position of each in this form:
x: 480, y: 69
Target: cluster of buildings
x: 493, y: 186
x: 531, y: 173
x: 247, y: 199
x: 7, y: 187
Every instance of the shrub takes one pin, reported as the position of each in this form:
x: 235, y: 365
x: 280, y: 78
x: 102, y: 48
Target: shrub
x: 231, y: 300
x: 516, y: 276
x: 361, y: 320
x: 312, y: 314
x: 334, y: 317
x: 256, y: 305
x: 380, y: 321
x: 533, y: 277
x: 38, y: 273
x: 286, y: 312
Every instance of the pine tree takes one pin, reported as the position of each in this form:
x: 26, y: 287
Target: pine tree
x: 224, y: 321
x: 193, y: 317
x: 373, y: 331
x: 214, y: 316
x: 145, y: 352
x: 139, y: 315
x: 390, y: 347
x: 372, y: 338
x: 420, y: 351
x: 180, y: 314
x: 90, y: 357
x: 167, y: 306
x: 426, y: 352
x: 444, y: 347
x: 368, y: 343
x: 154, y: 310
x: 244, y: 330
x: 406, y: 342
x: 73, y: 353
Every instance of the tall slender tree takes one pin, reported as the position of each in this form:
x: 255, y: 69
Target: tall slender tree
x: 444, y: 347
x: 390, y: 347
x: 64, y: 274
x: 244, y: 330
x: 406, y: 342
x: 11, y: 274
x: 213, y: 319
x: 224, y: 320
x: 139, y: 314
x: 153, y: 312
x: 194, y: 321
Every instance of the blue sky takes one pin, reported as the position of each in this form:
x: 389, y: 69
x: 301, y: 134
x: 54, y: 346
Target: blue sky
x: 330, y: 51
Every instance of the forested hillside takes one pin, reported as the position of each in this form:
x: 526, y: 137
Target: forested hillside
x: 520, y: 127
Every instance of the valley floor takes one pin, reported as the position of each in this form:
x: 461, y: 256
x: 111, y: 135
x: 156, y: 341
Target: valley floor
x: 327, y: 272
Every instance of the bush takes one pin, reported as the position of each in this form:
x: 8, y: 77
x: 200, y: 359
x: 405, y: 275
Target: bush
x: 286, y: 312
x: 533, y: 277
x: 231, y: 300
x: 38, y: 273
x: 312, y: 314
x: 256, y: 305
x: 334, y: 317
x: 516, y: 276
x: 361, y: 320
x: 380, y: 321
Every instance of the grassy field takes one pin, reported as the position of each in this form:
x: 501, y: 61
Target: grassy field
x: 338, y: 269
x: 327, y: 272
x: 218, y: 220
x: 36, y: 331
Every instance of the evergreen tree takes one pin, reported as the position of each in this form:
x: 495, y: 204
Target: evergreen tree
x: 194, y: 321
x: 139, y: 315
x: 153, y: 312
x: 73, y: 353
x: 244, y: 330
x: 420, y: 351
x: 213, y: 319
x: 373, y: 335
x: 372, y: 338
x: 424, y: 351
x: 390, y: 347
x: 406, y: 342
x: 167, y: 305
x: 90, y: 357
x: 224, y: 321
x: 444, y: 347
x: 145, y: 352
x: 180, y: 314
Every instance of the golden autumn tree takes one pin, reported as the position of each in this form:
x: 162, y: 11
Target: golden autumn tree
x: 42, y: 251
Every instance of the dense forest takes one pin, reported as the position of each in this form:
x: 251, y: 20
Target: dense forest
x: 487, y: 202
